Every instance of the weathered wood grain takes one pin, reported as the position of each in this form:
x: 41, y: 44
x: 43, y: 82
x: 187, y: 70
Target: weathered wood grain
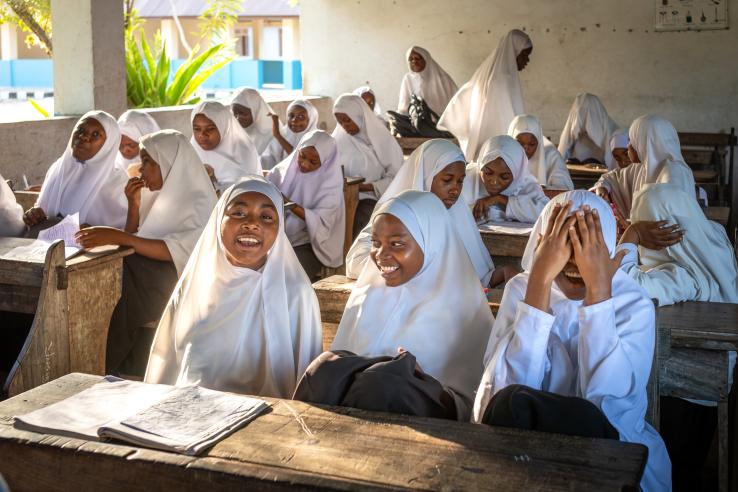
x: 504, y: 245
x: 301, y: 446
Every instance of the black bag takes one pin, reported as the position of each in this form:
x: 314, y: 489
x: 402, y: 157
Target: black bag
x: 420, y: 122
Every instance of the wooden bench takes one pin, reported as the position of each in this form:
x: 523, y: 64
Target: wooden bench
x: 505, y: 249
x: 72, y: 302
x: 409, y: 144
x: 584, y: 176
x: 333, y: 293
x: 299, y: 446
x: 702, y: 335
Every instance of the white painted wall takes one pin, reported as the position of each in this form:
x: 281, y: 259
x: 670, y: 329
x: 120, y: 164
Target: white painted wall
x: 607, y: 47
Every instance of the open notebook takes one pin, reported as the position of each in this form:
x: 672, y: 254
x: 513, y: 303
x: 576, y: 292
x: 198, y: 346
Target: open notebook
x: 184, y: 419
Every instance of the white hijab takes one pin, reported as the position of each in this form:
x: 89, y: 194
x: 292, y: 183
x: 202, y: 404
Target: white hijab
x: 235, y: 329
x: 488, y: 102
x: 275, y: 153
x: 235, y: 156
x: 364, y: 89
x: 134, y: 124
x: 260, y: 130
x: 514, y: 156
x: 540, y: 165
x: 588, y: 116
x: 90, y: 187
x: 372, y: 151
x: 619, y: 140
x: 320, y: 193
x: 11, y: 213
x: 440, y: 315
x: 705, y: 251
x: 178, y: 212
x: 417, y: 174
x: 433, y: 84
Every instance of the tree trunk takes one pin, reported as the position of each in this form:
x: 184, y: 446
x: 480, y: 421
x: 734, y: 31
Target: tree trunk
x: 23, y: 14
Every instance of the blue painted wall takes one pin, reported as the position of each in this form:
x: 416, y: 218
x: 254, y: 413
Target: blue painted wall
x: 240, y: 72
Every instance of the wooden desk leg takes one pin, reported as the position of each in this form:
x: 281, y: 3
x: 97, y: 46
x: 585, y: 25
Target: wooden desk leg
x: 351, y: 198
x: 722, y: 439
x: 93, y: 294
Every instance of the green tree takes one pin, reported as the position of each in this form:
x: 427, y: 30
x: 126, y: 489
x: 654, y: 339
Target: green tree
x: 32, y: 17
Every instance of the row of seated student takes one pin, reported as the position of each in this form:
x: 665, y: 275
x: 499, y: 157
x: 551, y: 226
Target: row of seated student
x: 229, y: 283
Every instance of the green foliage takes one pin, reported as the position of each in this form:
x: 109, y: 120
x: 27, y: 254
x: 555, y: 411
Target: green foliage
x: 33, y: 17
x: 147, y: 73
x: 218, y: 18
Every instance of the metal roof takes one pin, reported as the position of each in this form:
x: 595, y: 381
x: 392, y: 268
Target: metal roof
x: 193, y: 8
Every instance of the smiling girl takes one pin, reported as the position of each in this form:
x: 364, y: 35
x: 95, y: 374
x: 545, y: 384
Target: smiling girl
x: 302, y: 117
x: 161, y: 231
x: 243, y: 317
x: 400, y: 347
x: 500, y: 186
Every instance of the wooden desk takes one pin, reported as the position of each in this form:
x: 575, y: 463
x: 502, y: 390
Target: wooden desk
x: 333, y: 293
x: 702, y: 335
x: 718, y: 214
x: 409, y: 144
x: 584, y: 176
x: 297, y: 446
x: 26, y: 199
x: 351, y: 200
x: 505, y: 249
x: 72, y: 302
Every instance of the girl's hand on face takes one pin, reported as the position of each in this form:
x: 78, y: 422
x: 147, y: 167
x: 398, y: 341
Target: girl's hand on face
x: 133, y: 190
x: 93, y: 237
x: 554, y: 247
x: 592, y: 257
x: 275, y: 125
x: 657, y: 234
x: 33, y: 216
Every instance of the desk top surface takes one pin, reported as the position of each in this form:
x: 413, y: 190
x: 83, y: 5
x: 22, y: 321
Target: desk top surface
x: 334, y: 448
x: 586, y: 169
x: 83, y: 260
x: 705, y: 325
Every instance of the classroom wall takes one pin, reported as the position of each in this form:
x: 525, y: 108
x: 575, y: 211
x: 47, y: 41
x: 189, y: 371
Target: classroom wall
x: 608, y: 48
x: 21, y: 153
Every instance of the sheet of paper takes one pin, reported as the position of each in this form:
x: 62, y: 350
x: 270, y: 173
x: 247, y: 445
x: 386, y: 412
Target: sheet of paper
x: 36, y: 252
x: 66, y: 229
x: 516, y: 228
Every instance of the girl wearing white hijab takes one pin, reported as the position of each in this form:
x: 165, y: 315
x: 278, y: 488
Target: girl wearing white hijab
x: 544, y: 160
x: 427, y: 169
x: 222, y: 144
x: 499, y: 185
x: 163, y: 233
x: 83, y: 179
x: 252, y: 113
x: 133, y: 125
x: 367, y: 94
x: 619, y: 148
x: 11, y: 213
x: 489, y: 101
x: 573, y: 342
x: 401, y: 300
x: 700, y: 267
x: 426, y: 80
x: 654, y: 144
x: 587, y: 132
x: 366, y: 149
x: 311, y: 177
x: 302, y: 117
x: 240, y: 321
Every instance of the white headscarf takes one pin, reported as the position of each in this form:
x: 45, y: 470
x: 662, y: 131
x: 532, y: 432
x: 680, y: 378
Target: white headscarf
x: 235, y: 156
x: 546, y: 164
x: 588, y: 116
x: 260, y: 130
x: 373, y: 153
x: 236, y: 329
x: 134, y: 124
x: 92, y: 187
x: 178, y: 212
x: 488, y: 102
x: 619, y: 140
x: 705, y: 251
x: 364, y: 89
x: 417, y: 174
x: 11, y: 213
x: 433, y: 84
x: 275, y: 153
x: 320, y: 193
x: 514, y: 156
x: 448, y: 343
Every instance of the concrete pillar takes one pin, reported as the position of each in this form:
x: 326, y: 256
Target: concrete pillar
x: 291, y: 39
x: 170, y: 35
x: 256, y: 37
x: 89, y: 56
x: 8, y: 42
